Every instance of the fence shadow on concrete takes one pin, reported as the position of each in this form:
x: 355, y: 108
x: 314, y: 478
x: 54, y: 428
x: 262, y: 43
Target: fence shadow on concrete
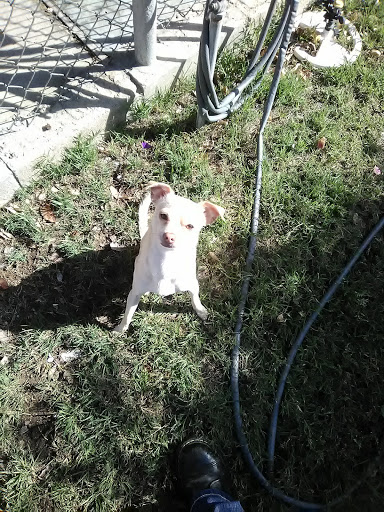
x: 45, y: 44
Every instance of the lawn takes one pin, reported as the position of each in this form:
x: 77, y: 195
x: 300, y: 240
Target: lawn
x: 97, y: 432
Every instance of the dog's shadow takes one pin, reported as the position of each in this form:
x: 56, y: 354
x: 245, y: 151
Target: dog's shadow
x: 74, y: 290
x: 88, y: 288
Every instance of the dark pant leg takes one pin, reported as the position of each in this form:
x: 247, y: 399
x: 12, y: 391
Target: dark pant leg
x: 212, y: 500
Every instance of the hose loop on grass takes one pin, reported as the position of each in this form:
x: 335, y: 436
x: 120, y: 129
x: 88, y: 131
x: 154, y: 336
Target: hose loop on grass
x: 283, y: 379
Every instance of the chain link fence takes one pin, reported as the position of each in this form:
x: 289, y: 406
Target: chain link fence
x: 44, y: 42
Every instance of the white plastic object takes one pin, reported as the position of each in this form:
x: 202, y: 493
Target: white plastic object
x: 331, y: 54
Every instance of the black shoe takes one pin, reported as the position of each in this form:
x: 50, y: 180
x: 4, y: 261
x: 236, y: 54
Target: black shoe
x: 198, y: 468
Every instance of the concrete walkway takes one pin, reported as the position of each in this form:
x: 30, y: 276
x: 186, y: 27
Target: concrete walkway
x: 97, y: 97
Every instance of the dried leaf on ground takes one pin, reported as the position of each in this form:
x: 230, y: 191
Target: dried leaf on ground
x: 4, y: 360
x: 129, y: 194
x: 321, y: 143
x: 3, y: 284
x: 114, y: 192
x: 10, y: 209
x: 52, y: 372
x: 4, y: 336
x: 8, y: 250
x: 55, y: 257
x: 208, y: 144
x: 304, y: 73
x: 46, y: 471
x: 125, y: 194
x: 47, y: 212
x: 375, y: 53
x: 213, y: 258
x: 5, y: 235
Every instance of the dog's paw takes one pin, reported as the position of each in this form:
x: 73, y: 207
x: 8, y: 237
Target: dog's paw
x: 203, y: 314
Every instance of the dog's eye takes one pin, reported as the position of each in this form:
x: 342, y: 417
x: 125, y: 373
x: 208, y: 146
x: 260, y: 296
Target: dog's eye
x: 164, y: 216
x: 189, y: 226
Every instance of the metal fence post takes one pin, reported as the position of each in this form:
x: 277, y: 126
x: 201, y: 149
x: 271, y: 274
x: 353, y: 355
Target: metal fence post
x: 144, y: 30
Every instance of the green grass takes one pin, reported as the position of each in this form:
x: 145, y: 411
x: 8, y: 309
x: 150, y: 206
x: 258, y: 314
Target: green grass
x: 98, y: 433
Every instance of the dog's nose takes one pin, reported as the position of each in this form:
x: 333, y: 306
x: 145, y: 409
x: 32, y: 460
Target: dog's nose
x: 169, y: 238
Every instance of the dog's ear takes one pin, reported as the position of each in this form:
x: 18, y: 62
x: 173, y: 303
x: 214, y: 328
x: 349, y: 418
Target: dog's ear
x: 212, y: 211
x: 159, y: 190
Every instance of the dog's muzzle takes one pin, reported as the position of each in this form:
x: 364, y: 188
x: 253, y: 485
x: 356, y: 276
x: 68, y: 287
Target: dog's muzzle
x: 168, y: 240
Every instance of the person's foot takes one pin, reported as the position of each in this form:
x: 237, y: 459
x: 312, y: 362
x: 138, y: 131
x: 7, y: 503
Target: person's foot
x: 198, y: 468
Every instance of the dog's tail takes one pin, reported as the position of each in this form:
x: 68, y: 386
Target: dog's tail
x: 143, y: 215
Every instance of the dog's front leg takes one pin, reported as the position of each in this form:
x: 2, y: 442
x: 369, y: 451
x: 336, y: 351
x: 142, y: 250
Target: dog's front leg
x: 132, y: 303
x: 196, y: 303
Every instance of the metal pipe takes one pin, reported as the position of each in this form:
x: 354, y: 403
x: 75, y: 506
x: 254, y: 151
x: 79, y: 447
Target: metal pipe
x: 144, y: 31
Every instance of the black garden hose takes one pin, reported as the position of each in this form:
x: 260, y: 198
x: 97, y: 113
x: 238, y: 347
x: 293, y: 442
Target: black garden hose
x: 283, y: 379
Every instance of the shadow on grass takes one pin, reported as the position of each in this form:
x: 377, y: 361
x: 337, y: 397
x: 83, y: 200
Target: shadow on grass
x: 88, y: 288
x: 74, y: 290
x: 94, y: 443
x: 151, y: 130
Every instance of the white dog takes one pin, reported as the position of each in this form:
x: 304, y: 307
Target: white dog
x: 166, y: 262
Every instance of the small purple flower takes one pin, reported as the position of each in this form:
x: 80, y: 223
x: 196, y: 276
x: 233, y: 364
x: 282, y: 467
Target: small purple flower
x: 376, y: 170
x: 146, y: 145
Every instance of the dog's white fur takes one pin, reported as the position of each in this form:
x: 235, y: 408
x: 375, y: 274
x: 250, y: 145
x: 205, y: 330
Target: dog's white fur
x: 166, y: 262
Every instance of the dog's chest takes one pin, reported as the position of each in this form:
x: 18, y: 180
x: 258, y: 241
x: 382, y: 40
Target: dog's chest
x: 172, y: 274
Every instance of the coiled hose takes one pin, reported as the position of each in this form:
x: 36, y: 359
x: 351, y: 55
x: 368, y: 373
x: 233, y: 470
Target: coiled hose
x: 210, y: 109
